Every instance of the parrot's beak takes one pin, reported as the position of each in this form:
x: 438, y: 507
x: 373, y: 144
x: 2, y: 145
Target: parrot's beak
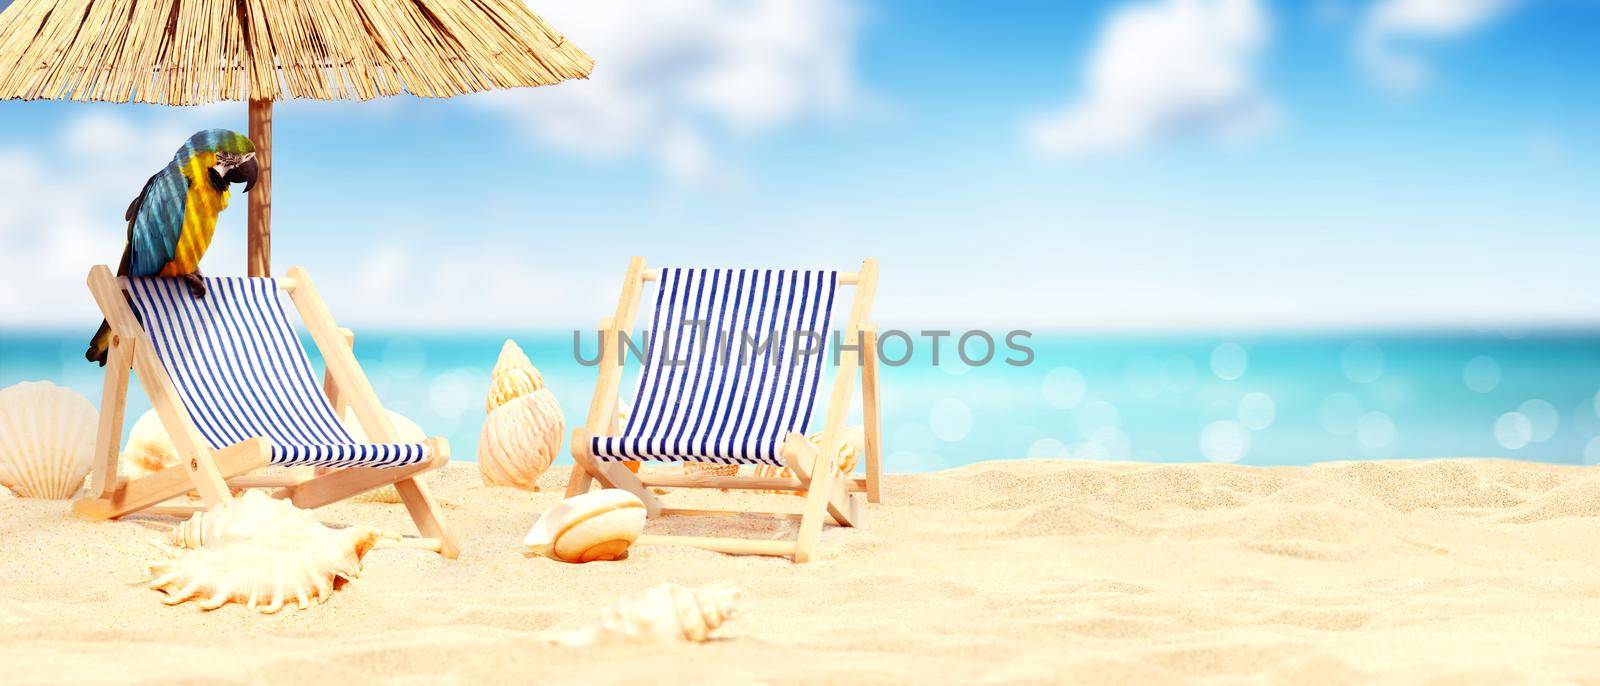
x: 236, y: 170
x: 245, y: 172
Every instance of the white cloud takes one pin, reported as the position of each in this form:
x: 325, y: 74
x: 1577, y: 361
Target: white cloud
x: 62, y: 212
x: 1390, y: 24
x: 671, y: 75
x: 483, y: 284
x: 1166, y: 69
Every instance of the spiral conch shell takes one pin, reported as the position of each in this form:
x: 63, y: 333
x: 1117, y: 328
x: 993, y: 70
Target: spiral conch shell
x: 46, y: 439
x: 852, y: 445
x: 598, y: 525
x: 520, y: 439
x: 665, y: 613
x: 260, y: 552
x: 512, y: 378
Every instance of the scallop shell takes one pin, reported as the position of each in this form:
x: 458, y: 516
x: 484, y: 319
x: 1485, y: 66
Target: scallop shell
x: 262, y: 553
x: 513, y: 377
x: 664, y: 613
x: 598, y: 525
x: 149, y: 449
x: 850, y: 451
x: 520, y: 439
x: 46, y: 439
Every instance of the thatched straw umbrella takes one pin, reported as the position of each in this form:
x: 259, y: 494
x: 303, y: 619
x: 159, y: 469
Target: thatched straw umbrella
x: 192, y: 52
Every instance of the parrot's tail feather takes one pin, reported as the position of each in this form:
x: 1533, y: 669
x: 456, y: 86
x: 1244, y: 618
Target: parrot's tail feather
x: 100, y: 345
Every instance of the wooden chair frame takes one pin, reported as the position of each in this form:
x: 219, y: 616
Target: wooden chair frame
x: 214, y: 473
x: 825, y: 495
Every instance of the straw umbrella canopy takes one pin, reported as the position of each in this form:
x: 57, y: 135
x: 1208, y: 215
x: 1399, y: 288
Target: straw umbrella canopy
x: 193, y: 52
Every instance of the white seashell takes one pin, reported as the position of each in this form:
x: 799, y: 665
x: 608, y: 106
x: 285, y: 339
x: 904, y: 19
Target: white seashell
x: 46, y: 439
x: 149, y: 449
x: 513, y: 377
x: 252, y: 516
x: 260, y: 552
x: 520, y: 439
x: 665, y: 613
x: 598, y: 525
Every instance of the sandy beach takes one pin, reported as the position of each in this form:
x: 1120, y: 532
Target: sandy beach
x: 1454, y: 571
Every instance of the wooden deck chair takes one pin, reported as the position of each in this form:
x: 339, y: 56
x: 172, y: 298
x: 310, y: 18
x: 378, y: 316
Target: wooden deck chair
x: 235, y: 390
x: 736, y: 388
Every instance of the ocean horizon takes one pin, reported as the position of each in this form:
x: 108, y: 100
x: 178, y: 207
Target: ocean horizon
x: 1271, y: 398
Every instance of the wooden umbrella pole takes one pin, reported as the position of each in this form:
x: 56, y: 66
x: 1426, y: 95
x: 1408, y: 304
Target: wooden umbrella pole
x: 259, y: 242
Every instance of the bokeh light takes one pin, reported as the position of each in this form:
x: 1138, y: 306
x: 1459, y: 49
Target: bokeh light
x: 1339, y: 413
x: 1375, y: 432
x: 453, y: 392
x: 1178, y: 373
x: 1089, y: 450
x: 1096, y: 418
x: 1064, y: 388
x: 1229, y: 361
x: 1481, y: 374
x: 1542, y: 417
x: 1115, y: 442
x: 1513, y: 430
x: 1224, y: 441
x: 1257, y: 410
x: 1591, y: 452
x: 403, y: 357
x: 1362, y: 362
x: 1145, y: 377
x: 950, y: 420
x: 1048, y: 448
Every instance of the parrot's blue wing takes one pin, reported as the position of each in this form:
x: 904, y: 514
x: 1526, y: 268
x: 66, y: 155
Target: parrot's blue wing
x: 157, y: 221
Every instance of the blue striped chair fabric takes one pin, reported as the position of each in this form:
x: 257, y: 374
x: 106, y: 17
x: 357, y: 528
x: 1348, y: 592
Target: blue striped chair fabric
x: 241, y: 372
x: 727, y: 390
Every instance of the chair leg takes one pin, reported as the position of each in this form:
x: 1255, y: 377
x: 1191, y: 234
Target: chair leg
x: 113, y: 410
x: 803, y: 460
x: 578, y: 483
x: 425, y: 512
x: 609, y: 474
x: 352, y: 481
x: 870, y: 412
x: 131, y: 496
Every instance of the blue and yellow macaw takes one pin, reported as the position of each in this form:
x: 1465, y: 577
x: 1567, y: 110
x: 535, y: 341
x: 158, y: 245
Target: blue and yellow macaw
x: 171, y: 222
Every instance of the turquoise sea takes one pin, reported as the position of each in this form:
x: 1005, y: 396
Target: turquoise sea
x: 1276, y: 398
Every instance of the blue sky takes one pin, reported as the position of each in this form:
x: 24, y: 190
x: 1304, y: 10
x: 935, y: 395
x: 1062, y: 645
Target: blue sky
x: 1132, y: 164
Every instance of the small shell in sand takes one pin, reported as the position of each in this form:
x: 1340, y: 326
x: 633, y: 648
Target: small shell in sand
x: 513, y: 377
x: 665, y: 613
x: 262, y: 553
x: 149, y: 449
x: 46, y: 439
x: 599, y: 525
x: 520, y: 439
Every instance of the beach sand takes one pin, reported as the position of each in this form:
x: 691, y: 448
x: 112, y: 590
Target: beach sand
x: 1447, y: 571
